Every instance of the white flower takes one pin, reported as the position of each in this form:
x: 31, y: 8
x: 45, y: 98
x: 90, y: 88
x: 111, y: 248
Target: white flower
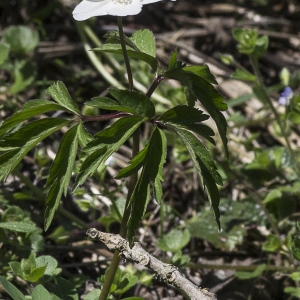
x: 92, y: 8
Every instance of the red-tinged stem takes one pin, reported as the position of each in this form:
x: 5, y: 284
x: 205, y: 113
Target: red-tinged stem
x: 104, y: 117
x: 154, y: 85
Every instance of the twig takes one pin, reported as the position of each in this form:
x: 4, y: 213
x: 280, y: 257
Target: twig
x: 166, y: 272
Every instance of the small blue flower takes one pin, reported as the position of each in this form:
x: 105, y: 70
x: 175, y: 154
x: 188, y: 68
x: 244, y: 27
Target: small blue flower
x: 286, y: 96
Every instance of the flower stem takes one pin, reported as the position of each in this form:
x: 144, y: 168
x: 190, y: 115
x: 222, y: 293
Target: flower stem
x: 123, y: 230
x: 132, y: 184
x: 133, y: 180
x: 254, y: 62
x: 125, y: 54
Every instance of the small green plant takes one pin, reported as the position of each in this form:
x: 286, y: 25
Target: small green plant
x: 15, y: 47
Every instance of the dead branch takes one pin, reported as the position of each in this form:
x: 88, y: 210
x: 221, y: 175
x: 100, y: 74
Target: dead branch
x: 166, y: 272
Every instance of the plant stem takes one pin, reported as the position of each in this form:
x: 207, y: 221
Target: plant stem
x: 125, y: 54
x: 259, y: 79
x: 154, y: 85
x: 132, y: 184
x: 104, y: 117
x: 133, y: 180
x: 123, y: 230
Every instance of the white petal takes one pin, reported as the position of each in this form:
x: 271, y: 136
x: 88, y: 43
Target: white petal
x: 87, y: 9
x: 92, y: 8
x: 121, y: 9
x: 149, y: 1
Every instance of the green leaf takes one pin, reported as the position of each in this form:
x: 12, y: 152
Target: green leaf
x: 28, y: 269
x: 52, y: 203
x: 64, y: 289
x: 202, y: 227
x: 249, y: 275
x: 201, y: 71
x: 90, y: 165
x: 206, y: 168
x: 137, y: 102
x: 23, y: 140
x: 63, y: 163
x: 113, y: 37
x: 272, y: 244
x: 50, y: 263
x: 11, y: 289
x: 127, y: 101
x: 39, y: 292
x: 183, y: 115
x: 199, y: 153
x: 242, y: 213
x: 4, y: 51
x: 180, y: 260
x: 84, y: 137
x: 145, y: 41
x: 294, y: 291
x: 16, y: 268
x: 295, y: 276
x: 106, y: 143
x: 135, y: 164
x: 93, y: 295
x: 35, y: 275
x: 249, y: 42
x: 21, y: 39
x: 29, y: 110
x: 262, y: 45
x: 273, y: 195
x: 14, y: 213
x: 105, y: 103
x: 115, y: 48
x: 243, y: 75
x: 127, y: 281
x: 201, y: 89
x: 174, y: 63
x: 24, y: 74
x: 28, y: 264
x: 246, y: 39
x: 294, y: 116
x: 19, y: 226
x: 174, y: 241
x: 153, y: 161
x: 60, y: 172
x: 227, y: 59
x: 200, y: 86
x: 60, y: 94
x: 186, y: 117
